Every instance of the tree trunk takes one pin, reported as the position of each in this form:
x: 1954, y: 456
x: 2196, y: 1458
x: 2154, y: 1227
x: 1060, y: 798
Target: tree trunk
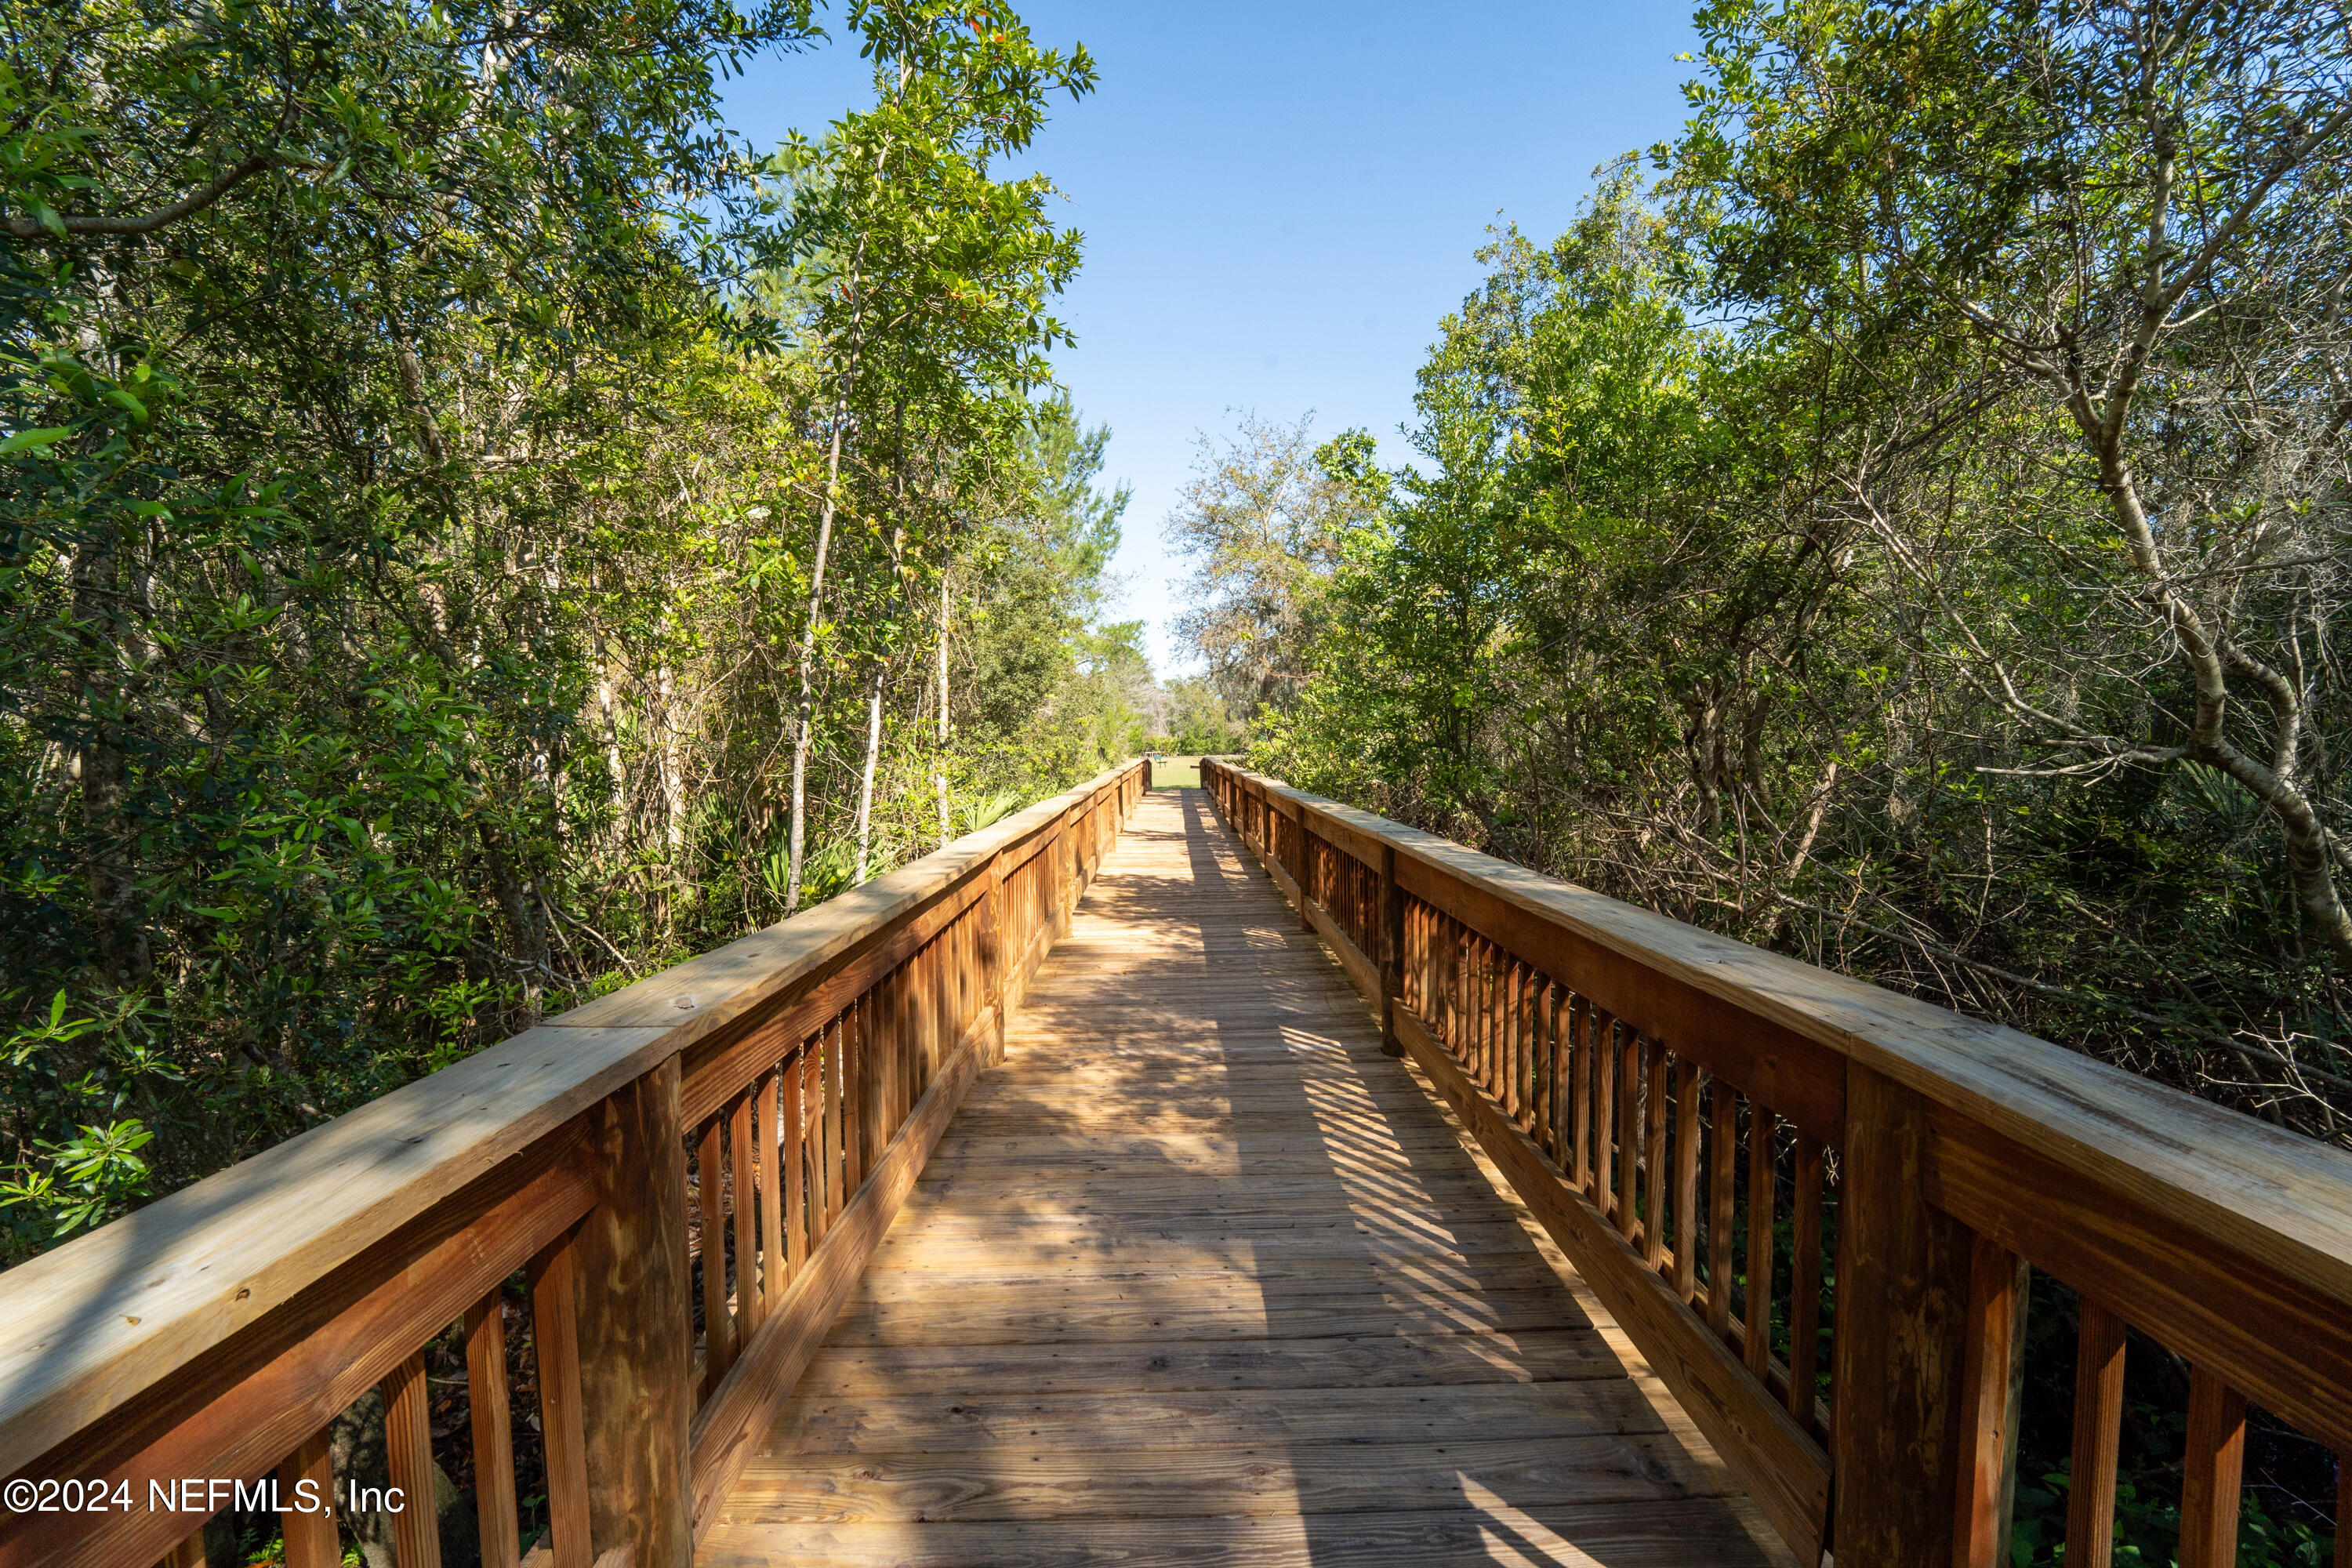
x: 804, y: 715
x: 946, y: 603
x: 865, y: 784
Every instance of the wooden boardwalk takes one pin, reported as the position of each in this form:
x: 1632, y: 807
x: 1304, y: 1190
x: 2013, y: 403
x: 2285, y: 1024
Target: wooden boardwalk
x: 1199, y: 1277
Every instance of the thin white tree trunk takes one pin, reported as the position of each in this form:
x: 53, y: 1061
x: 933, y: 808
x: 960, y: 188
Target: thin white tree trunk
x: 946, y: 603
x: 866, y: 785
x: 805, y: 714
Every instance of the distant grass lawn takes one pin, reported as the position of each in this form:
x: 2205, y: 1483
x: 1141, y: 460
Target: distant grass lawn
x: 1176, y: 773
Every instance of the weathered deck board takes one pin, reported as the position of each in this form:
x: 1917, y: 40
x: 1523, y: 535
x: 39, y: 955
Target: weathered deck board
x: 1198, y: 1277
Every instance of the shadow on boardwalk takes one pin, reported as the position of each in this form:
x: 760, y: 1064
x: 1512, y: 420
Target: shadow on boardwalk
x: 1198, y: 1277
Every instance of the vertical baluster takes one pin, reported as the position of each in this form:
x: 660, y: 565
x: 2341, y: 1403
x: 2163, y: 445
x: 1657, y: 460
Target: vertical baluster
x: 772, y: 1198
x: 1523, y: 1060
x: 1989, y: 1379
x: 1805, y: 1281
x: 1546, y: 1111
x: 1686, y: 1091
x: 1722, y: 1168
x: 188, y: 1554
x: 490, y: 1416
x: 2212, y: 1471
x: 1604, y: 1112
x: 1579, y: 1039
x: 1654, y: 1184
x: 2098, y: 1438
x: 1516, y: 1053
x: 743, y: 1164
x: 408, y: 1457
x: 795, y: 1165
x: 1629, y: 1131
x: 836, y: 1132
x: 306, y: 1515
x: 1490, y: 1017
x: 1760, y: 1197
x: 853, y: 1097
x: 555, y: 1338
x: 710, y: 1211
x: 812, y: 1136
x: 1507, y: 1033
x: 1497, y: 995
x: 1457, y: 1000
x: 1475, y: 1001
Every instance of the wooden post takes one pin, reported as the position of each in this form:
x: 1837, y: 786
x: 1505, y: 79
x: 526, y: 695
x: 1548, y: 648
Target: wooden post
x: 408, y: 1456
x: 994, y: 957
x: 305, y: 1515
x: 2212, y: 1472
x: 555, y: 1293
x: 634, y: 1325
x: 1392, y: 952
x: 2098, y: 1435
x: 1302, y: 874
x: 490, y: 1413
x: 1902, y: 1332
x: 1989, y: 1386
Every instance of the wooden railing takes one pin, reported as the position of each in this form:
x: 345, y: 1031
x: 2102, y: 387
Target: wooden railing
x: 1661, y: 1097
x: 693, y: 1172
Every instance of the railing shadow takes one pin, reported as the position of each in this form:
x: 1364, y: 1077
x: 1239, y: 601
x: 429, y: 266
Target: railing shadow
x: 1199, y: 1275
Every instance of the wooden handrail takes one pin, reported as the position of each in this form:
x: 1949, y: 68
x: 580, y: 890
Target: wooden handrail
x: 1571, y: 1031
x: 810, y: 1067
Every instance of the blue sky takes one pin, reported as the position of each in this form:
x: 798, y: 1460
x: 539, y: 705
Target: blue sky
x: 1280, y: 199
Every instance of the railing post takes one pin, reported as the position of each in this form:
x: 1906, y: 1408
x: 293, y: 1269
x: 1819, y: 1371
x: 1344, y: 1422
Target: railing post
x: 635, y: 1328
x: 1302, y: 874
x: 1903, y: 1301
x: 994, y: 959
x: 1392, y: 952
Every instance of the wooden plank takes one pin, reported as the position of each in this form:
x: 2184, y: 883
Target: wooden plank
x: 772, y: 1196
x: 1781, y: 1467
x: 1805, y: 1280
x: 2098, y: 1436
x: 1174, y: 1315
x: 1419, y: 1360
x: 633, y: 1322
x: 1903, y: 1294
x: 1655, y: 1179
x: 960, y: 1423
x: 1286, y: 1271
x: 1990, y: 1382
x: 286, y: 1379
x: 1090, y: 1482
x: 490, y: 1423
x: 1762, y: 1186
x: 1722, y: 1169
x: 1482, y: 1530
x: 306, y: 1498
x: 742, y: 1166
x: 2212, y: 1469
x: 710, y: 1212
x: 408, y: 1459
x: 1687, y: 1097
x: 555, y: 1344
